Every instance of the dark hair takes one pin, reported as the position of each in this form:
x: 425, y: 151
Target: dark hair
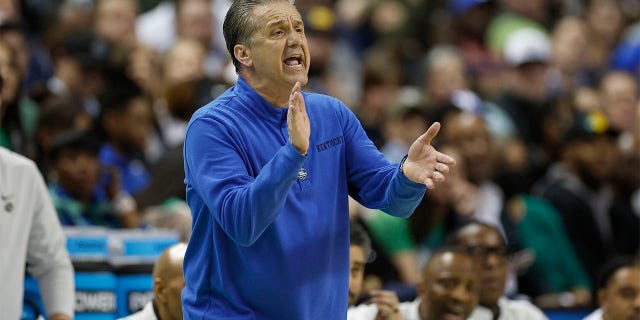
x: 358, y: 236
x: 75, y: 140
x: 613, y: 265
x: 239, y: 24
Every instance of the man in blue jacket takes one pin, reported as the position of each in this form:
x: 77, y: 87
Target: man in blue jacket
x: 268, y: 170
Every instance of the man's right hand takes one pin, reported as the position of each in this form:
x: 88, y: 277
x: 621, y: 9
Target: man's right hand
x: 298, y: 125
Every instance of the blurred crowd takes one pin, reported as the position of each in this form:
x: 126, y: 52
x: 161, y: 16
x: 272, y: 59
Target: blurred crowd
x: 539, y: 102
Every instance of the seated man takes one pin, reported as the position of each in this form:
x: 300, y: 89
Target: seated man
x: 168, y: 281
x: 384, y: 304
x: 618, y: 291
x: 448, y: 290
x: 487, y: 246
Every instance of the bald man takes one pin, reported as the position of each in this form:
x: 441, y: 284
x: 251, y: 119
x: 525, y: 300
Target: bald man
x: 449, y: 288
x: 168, y: 281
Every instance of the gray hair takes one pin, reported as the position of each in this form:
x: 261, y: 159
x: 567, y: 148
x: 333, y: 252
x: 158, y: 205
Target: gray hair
x: 240, y: 24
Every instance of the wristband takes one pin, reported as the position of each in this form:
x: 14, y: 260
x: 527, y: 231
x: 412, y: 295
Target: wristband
x: 402, y: 164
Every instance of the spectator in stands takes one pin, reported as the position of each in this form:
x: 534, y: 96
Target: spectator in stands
x: 126, y: 120
x: 79, y: 59
x: 448, y: 290
x: 619, y: 290
x: 32, y: 239
x: 168, y: 281
x: 383, y: 304
x: 487, y: 245
x: 77, y: 195
x: 57, y: 115
x: 115, y: 22
x: 578, y: 187
x: 619, y: 95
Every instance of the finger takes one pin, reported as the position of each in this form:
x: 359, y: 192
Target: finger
x: 430, y: 134
x: 429, y: 183
x: 300, y: 102
x: 442, y: 167
x: 437, y: 177
x: 296, y: 88
x: 445, y: 159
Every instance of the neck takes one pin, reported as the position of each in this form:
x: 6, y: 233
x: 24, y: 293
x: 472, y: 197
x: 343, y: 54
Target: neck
x: 275, y: 94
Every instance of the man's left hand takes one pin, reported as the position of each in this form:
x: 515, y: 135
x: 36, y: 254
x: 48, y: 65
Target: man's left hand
x: 424, y: 164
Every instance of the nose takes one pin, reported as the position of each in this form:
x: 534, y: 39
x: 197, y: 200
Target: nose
x: 461, y: 293
x: 295, y: 38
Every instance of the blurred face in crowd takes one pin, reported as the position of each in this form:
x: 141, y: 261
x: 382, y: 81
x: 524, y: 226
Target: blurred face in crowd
x: 195, y: 21
x: 357, y: 262
x: 116, y: 21
x: 9, y: 74
x: 449, y: 288
x: 184, y: 62
x: 569, y: 44
x: 445, y: 76
x: 604, y: 19
x: 129, y: 128
x: 78, y: 172
x: 620, y: 299
x: 470, y: 134
x: 619, y: 95
x: 489, y: 251
x: 594, y: 159
x: 277, y: 55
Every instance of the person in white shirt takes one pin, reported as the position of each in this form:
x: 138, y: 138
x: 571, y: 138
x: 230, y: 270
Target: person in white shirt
x: 486, y: 244
x: 384, y: 303
x: 619, y: 291
x: 168, y: 281
x: 31, y: 238
x: 449, y: 288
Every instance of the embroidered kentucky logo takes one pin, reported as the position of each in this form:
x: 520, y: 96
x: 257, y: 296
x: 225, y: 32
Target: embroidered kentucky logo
x: 329, y: 144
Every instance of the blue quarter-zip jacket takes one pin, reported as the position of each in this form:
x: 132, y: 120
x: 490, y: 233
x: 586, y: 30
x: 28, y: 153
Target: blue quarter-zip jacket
x: 270, y: 233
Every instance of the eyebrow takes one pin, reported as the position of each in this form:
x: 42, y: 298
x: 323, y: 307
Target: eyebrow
x: 275, y: 23
x: 282, y: 21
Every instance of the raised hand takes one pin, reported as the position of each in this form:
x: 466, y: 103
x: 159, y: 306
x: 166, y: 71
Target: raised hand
x: 387, y: 302
x: 424, y: 164
x: 298, y: 125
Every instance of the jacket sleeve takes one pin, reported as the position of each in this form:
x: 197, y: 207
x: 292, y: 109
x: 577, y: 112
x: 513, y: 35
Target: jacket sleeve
x: 373, y: 181
x: 242, y: 205
x: 47, y: 257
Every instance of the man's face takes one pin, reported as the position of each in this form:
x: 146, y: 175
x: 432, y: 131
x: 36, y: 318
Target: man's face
x: 450, y: 287
x: 489, y: 252
x: 278, y: 52
x: 78, y: 172
x: 620, y: 300
x: 357, y: 262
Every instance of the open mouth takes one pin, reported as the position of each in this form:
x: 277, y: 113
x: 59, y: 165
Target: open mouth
x: 454, y: 313
x: 294, y: 62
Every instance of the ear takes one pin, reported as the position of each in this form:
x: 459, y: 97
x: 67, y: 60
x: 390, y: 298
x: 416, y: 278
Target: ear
x: 159, y: 290
x: 243, y: 54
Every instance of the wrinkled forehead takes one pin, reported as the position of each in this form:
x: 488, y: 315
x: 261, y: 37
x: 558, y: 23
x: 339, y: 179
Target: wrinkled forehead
x: 276, y: 12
